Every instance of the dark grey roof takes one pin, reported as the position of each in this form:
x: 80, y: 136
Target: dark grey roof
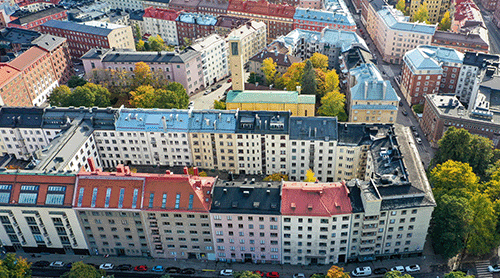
x: 358, y: 134
x: 27, y: 18
x: 492, y: 83
x: 355, y: 196
x: 21, y: 117
x: 98, y: 118
x: 18, y: 36
x: 127, y: 56
x: 49, y: 42
x: 263, y: 122
x: 72, y: 26
x: 479, y: 59
x: 246, y: 197
x: 137, y: 15
x: 214, y: 4
x: 313, y: 128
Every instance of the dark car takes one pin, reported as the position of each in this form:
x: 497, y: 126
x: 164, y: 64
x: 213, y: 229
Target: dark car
x: 381, y: 270
x: 69, y: 265
x: 213, y: 89
x: 188, y: 271
x: 218, y: 86
x: 413, y: 128
x: 172, y: 269
x: 41, y: 264
x: 405, y: 113
x: 401, y: 103
x: 124, y: 267
x: 94, y: 265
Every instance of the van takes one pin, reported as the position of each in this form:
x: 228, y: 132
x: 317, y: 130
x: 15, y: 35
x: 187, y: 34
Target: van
x: 362, y: 271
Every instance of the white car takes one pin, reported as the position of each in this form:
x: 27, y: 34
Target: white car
x: 494, y: 268
x: 399, y: 268
x: 56, y: 264
x: 226, y: 272
x: 107, y: 266
x: 412, y: 268
x: 362, y: 271
x: 299, y: 275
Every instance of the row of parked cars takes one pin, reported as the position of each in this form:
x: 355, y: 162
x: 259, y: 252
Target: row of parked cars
x: 367, y: 271
x: 122, y: 267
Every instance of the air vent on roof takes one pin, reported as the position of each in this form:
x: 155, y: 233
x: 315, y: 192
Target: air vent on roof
x: 235, y: 204
x: 293, y: 206
x: 268, y: 184
x: 274, y: 205
x: 224, y: 190
x: 310, y: 207
x: 256, y: 204
x: 246, y: 193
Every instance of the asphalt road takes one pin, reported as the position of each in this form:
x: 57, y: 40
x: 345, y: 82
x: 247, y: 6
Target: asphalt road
x: 493, y: 34
x: 202, y: 101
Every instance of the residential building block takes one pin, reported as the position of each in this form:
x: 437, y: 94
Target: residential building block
x: 317, y: 20
x: 32, y: 21
x: 161, y: 22
x: 191, y: 26
x: 214, y: 60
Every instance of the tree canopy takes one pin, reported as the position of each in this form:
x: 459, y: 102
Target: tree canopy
x: 396, y: 274
x: 309, y: 82
x: 445, y: 23
x: 82, y: 270
x: 319, y: 61
x: 401, y: 6
x: 422, y: 14
x: 14, y: 267
x: 332, y: 104
x: 88, y: 95
x: 254, y: 78
x: 221, y: 105
x: 170, y: 96
x: 310, y: 176
x: 75, y: 81
x: 337, y: 272
x: 276, y: 177
x: 246, y: 274
x: 269, y: 70
x: 455, y: 177
x: 457, y: 274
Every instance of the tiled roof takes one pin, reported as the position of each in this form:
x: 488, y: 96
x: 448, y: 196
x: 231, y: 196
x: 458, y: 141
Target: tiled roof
x: 284, y: 60
x: 126, y: 56
x: 164, y: 14
x: 21, y: 20
x: 214, y: 4
x: 262, y: 7
x: 184, y: 3
x: 268, y: 97
x: 7, y: 73
x: 315, y: 199
x: 27, y: 58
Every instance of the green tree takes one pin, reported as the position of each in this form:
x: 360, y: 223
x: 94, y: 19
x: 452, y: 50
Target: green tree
x: 221, y: 105
x: 101, y: 94
x: 310, y: 176
x: 331, y: 81
x: 269, y: 70
x: 332, y: 105
x: 309, y: 83
x: 422, y: 14
x: 319, y: 61
x: 82, y: 270
x: 246, y: 274
x: 453, y: 177
x: 187, y: 42
x: 482, y: 237
x: 82, y: 96
x: 279, y: 82
x: 337, y: 272
x: 401, y: 5
x: 60, y: 96
x: 418, y: 108
x: 450, y: 225
x: 14, y: 267
x: 276, y: 177
x: 457, y: 274
x: 396, y: 274
x: 156, y: 43
x: 171, y: 96
x: 254, y: 78
x: 75, y: 81
x: 140, y: 45
x: 445, y: 23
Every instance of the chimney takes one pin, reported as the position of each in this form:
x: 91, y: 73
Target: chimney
x: 186, y: 171
x: 366, y: 89
x: 168, y: 172
x: 91, y: 163
x: 195, y: 171
x: 384, y: 89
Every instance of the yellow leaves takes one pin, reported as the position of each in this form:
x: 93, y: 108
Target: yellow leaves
x: 269, y: 70
x: 319, y: 61
x: 336, y: 272
x: 454, y: 176
x: 276, y: 177
x: 310, y: 176
x: 293, y: 76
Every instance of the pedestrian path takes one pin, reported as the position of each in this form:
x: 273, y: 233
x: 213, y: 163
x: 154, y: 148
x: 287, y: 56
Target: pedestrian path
x: 482, y: 269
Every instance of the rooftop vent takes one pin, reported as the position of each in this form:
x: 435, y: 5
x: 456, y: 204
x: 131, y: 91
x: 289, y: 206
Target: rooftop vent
x: 256, y: 204
x: 235, y: 204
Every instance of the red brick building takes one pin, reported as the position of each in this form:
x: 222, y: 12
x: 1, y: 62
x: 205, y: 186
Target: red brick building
x: 463, y: 42
x: 32, y: 21
x: 194, y: 25
x: 13, y: 91
x: 277, y: 17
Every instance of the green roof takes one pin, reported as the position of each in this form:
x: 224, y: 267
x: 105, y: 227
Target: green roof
x: 269, y: 97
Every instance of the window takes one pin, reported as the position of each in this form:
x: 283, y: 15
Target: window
x: 29, y: 194
x: 108, y: 196
x: 122, y: 195
x: 80, y: 196
x: 55, y: 195
x: 5, y: 193
x: 164, y: 201
x: 177, y: 200
x: 134, y: 198
x: 191, y: 197
x: 151, y: 199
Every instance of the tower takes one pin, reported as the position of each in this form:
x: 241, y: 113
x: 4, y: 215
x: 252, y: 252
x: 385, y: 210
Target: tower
x: 236, y: 64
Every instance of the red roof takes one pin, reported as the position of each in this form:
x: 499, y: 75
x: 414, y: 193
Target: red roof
x: 164, y: 14
x: 466, y: 9
x: 22, y: 3
x: 7, y: 73
x: 29, y: 57
x: 315, y: 199
x: 262, y: 7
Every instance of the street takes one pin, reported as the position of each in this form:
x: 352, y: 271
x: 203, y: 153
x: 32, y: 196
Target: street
x: 202, y: 101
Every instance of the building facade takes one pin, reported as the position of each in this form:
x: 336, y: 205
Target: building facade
x: 470, y: 41
x: 191, y: 26
x: 161, y: 22
x: 317, y: 20
x: 32, y: 21
x: 214, y: 59
x: 252, y: 37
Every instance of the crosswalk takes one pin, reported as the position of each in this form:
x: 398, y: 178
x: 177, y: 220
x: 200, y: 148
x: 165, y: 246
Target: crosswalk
x: 482, y: 269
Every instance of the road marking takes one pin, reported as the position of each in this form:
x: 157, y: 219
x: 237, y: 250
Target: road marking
x: 482, y: 269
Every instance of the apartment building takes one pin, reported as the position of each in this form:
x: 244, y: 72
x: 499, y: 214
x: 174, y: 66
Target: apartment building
x: 436, y: 9
x: 13, y: 90
x: 472, y: 40
x: 277, y: 17
x: 15, y: 39
x: 252, y: 38
x: 138, y: 215
x: 33, y: 20
x: 213, y: 7
x: 276, y: 51
x: 36, y: 213
x: 489, y: 5
x: 191, y: 26
x: 214, y: 59
x: 392, y: 33
x: 126, y: 5
x: 161, y: 22
x: 246, y: 222
x: 225, y: 24
x: 186, y: 6
x: 315, y: 223
x: 185, y: 67
x: 317, y: 20
x: 60, y: 58
x: 82, y: 37
x: 371, y: 99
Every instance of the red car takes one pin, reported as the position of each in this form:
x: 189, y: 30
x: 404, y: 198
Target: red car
x: 259, y: 273
x: 273, y: 274
x: 141, y: 268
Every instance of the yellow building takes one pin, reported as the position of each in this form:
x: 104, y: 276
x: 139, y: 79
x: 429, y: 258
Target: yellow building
x: 299, y: 105
x: 436, y: 8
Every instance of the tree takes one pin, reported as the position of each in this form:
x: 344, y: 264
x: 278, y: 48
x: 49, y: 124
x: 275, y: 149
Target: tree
x: 60, y: 96
x: 142, y: 75
x: 453, y: 177
x: 332, y: 105
x: 75, y: 81
x: 14, y: 267
x: 457, y: 274
x: 156, y: 43
x: 187, y: 42
x: 445, y: 23
x: 336, y: 272
x: 82, y: 270
x: 246, y: 274
x: 293, y: 76
x: 269, y: 70
x: 140, y: 46
x: 319, y: 61
x: 276, y: 177
x: 318, y: 275
x: 143, y: 97
x: 101, y: 94
x: 396, y: 274
x: 309, y: 83
x: 331, y: 81
x: 422, y: 14
x: 171, y: 96
x: 254, y: 78
x: 401, y: 5
x: 450, y: 225
x: 482, y: 237
x: 82, y: 96
x: 310, y: 176
x: 166, y: 276
x: 221, y: 105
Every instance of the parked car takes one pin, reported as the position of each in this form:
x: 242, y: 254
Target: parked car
x: 418, y: 140
x: 56, y: 264
x: 124, y: 267
x: 415, y: 133
x: 273, y: 274
x: 206, y: 93
x: 413, y: 128
x: 226, y: 272
x: 158, y: 268
x: 399, y: 268
x: 362, y: 271
x: 107, y: 266
x: 412, y: 268
x: 381, y: 270
x: 258, y: 272
x: 218, y: 86
x: 401, y: 103
x: 173, y: 269
x: 494, y: 268
x: 299, y: 275
x: 229, y: 80
x: 41, y: 264
x: 188, y: 271
x: 141, y: 268
x: 69, y: 265
x: 404, y: 113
